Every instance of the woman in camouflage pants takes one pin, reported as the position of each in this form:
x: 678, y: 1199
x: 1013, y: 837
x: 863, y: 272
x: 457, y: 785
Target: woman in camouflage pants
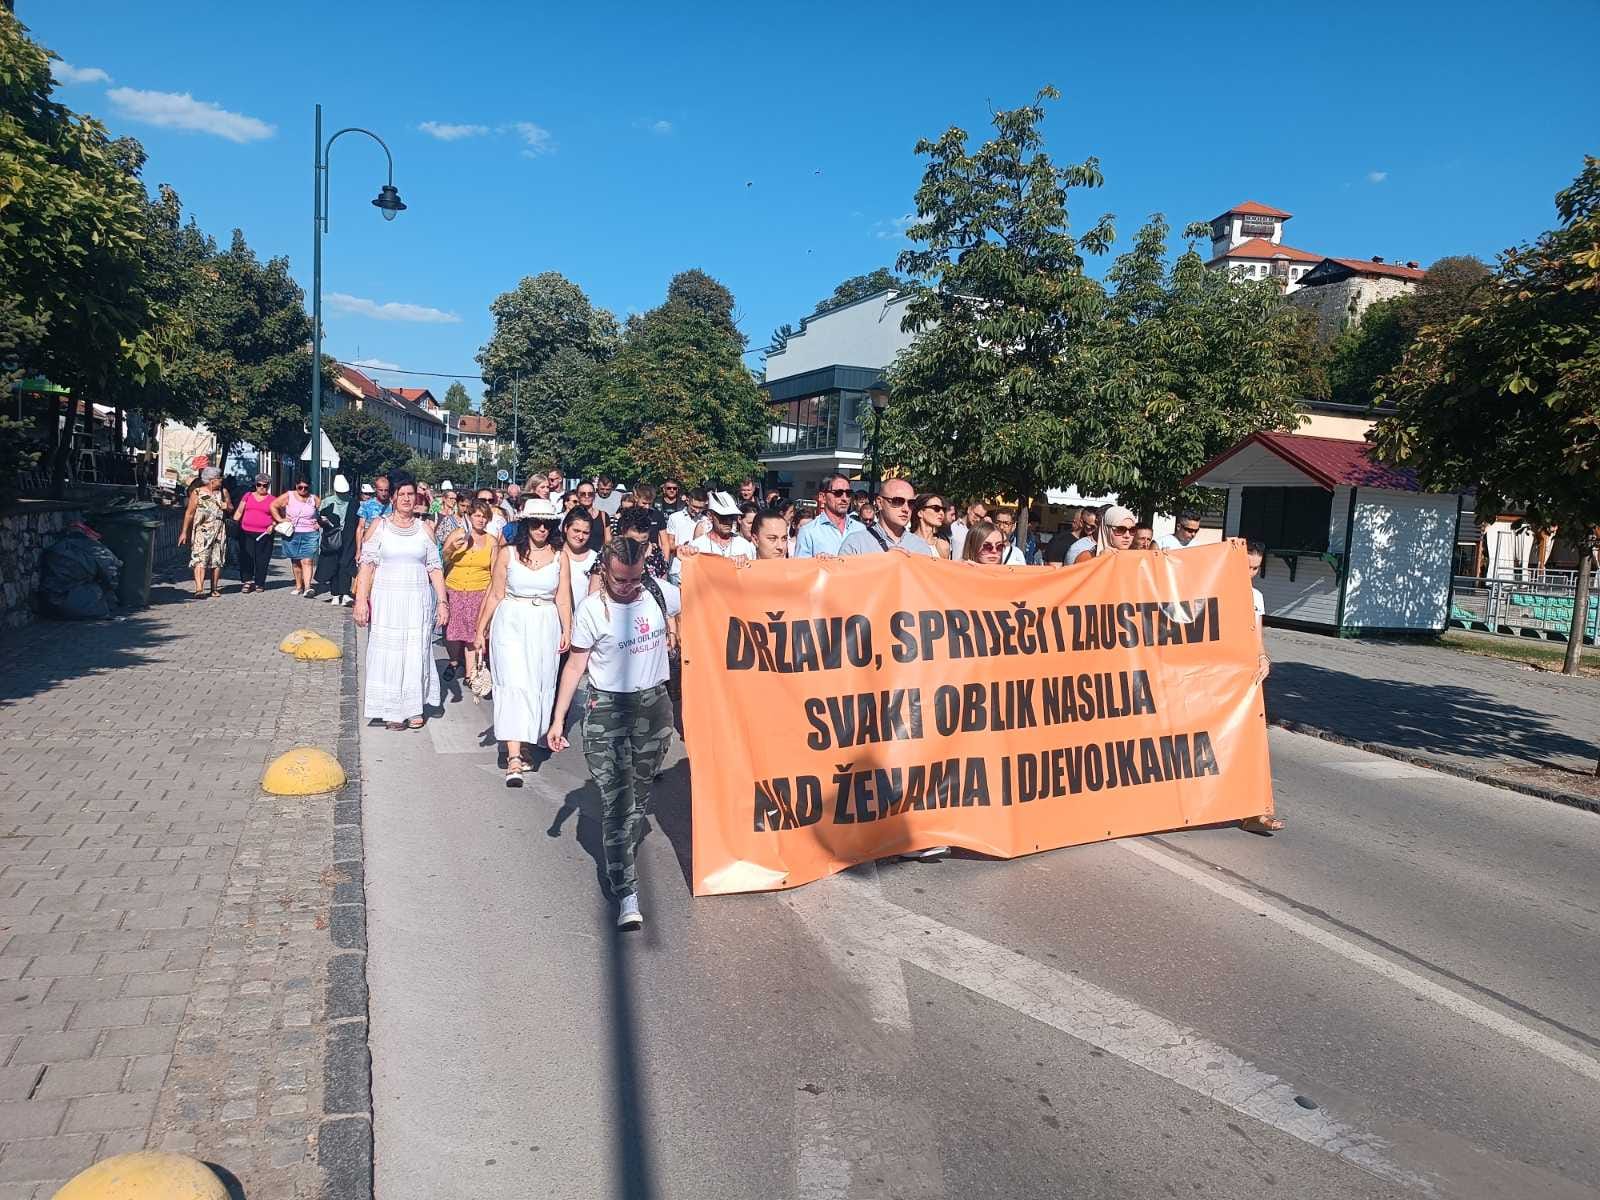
x: 620, y: 635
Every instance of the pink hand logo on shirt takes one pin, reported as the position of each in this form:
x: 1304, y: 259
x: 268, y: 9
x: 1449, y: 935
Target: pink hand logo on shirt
x: 642, y: 624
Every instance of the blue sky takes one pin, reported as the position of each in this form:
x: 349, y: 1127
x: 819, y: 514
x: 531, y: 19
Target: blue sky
x: 772, y: 145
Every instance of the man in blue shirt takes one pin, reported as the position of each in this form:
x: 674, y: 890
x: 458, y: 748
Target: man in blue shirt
x: 833, y: 523
x: 372, y: 507
x: 892, y: 529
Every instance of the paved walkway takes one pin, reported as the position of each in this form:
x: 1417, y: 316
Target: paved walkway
x: 164, y: 926
x: 1463, y: 709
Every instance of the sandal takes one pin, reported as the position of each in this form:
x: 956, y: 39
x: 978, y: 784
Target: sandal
x: 395, y: 726
x: 416, y: 722
x: 1266, y: 823
x: 514, y: 769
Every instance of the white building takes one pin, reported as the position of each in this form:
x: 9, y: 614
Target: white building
x: 1247, y: 241
x: 817, y: 388
x: 1338, y: 291
x: 1352, y: 545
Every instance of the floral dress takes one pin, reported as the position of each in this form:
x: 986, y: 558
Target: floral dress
x: 208, y: 535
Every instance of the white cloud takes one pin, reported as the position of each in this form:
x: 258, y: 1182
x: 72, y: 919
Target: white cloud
x: 376, y: 364
x: 65, y: 72
x: 659, y: 128
x: 895, y: 228
x: 536, y: 139
x: 180, y: 110
x: 345, y: 305
x: 446, y: 132
x: 1377, y: 176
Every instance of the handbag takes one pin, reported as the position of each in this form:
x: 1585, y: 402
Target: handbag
x: 284, y: 529
x: 481, y: 682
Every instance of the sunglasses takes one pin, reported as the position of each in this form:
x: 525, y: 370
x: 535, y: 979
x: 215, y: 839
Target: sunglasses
x: 897, y: 501
x: 1125, y: 530
x: 299, y: 487
x: 1189, y: 531
x: 261, y: 485
x: 993, y: 547
x: 933, y: 507
x: 838, y: 491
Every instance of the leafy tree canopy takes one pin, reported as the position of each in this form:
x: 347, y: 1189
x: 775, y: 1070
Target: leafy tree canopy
x: 544, y: 314
x: 456, y: 399
x: 699, y: 292
x: 675, y: 400
x: 365, y: 444
x: 1506, y: 397
x: 858, y: 287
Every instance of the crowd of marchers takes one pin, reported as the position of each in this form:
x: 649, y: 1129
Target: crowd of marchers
x: 544, y: 590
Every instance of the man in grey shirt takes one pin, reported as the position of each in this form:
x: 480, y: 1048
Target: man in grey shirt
x: 892, y: 529
x: 606, y: 497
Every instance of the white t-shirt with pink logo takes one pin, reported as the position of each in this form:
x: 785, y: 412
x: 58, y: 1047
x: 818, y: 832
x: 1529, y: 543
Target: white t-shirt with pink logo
x: 627, y: 643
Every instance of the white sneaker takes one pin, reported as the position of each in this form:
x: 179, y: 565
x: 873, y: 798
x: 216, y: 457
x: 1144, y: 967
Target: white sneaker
x: 334, y: 600
x: 928, y: 855
x: 298, y: 592
x: 628, y: 914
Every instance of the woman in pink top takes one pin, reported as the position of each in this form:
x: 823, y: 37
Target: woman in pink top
x: 254, y: 515
x: 299, y: 508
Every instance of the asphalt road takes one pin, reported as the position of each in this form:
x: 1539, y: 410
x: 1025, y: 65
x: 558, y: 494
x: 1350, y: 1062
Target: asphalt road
x: 1416, y: 957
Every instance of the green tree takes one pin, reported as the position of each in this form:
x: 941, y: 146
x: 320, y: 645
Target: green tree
x: 547, y: 399
x: 858, y: 287
x: 72, y: 301
x: 456, y: 400
x: 544, y: 314
x: 999, y: 389
x: 1506, y: 398
x: 699, y: 292
x: 1194, y: 362
x: 676, y: 400
x: 1452, y: 287
x: 365, y: 444
x: 1360, y: 356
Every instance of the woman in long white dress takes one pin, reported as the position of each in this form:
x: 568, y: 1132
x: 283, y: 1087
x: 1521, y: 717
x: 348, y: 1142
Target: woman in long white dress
x: 526, y: 624
x: 400, y: 594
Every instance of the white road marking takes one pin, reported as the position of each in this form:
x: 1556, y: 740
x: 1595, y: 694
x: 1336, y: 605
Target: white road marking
x: 850, y: 912
x: 821, y: 1165
x: 1453, y: 1002
x: 1382, y: 768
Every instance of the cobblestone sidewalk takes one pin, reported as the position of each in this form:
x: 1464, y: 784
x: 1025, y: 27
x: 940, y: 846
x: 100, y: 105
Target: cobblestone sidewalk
x: 1467, y: 712
x: 171, y: 966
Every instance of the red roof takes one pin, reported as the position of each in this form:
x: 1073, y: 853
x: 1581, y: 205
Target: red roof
x: 359, y: 381
x: 1365, y: 266
x: 475, y: 424
x: 1332, y: 462
x: 1254, y: 208
x: 414, y: 395
x: 1260, y: 248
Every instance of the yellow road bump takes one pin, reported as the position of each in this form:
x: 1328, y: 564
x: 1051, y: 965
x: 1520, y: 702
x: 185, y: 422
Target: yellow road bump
x: 292, y: 643
x: 316, y: 648
x: 306, y: 771
x: 145, y: 1175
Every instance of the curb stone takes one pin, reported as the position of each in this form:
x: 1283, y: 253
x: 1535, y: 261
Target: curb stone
x: 344, y: 1136
x: 1538, y: 791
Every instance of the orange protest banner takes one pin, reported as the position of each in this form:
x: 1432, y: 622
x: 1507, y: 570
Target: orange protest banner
x: 846, y: 710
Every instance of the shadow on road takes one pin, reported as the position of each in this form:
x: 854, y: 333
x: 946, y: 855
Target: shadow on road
x: 1440, y: 719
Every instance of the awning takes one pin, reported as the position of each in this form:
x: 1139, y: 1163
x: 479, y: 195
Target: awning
x: 330, y: 456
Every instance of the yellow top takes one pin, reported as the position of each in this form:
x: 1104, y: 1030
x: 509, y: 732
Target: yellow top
x: 468, y: 570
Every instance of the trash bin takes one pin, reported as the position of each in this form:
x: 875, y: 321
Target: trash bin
x: 130, y: 533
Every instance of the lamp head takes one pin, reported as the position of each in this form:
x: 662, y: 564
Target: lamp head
x: 878, y: 393
x: 389, y: 201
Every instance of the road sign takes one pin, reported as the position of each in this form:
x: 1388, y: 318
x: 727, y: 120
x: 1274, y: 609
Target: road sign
x: 502, y: 476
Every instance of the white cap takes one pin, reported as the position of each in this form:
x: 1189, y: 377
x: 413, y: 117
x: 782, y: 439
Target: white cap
x: 447, y: 486
x: 723, y: 504
x: 366, y: 489
x: 541, y: 510
x: 341, y: 484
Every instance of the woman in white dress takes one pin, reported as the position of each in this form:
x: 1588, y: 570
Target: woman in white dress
x: 577, y: 547
x: 526, y: 624
x: 400, y: 594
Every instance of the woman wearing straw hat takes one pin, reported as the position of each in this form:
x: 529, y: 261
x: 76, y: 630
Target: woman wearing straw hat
x: 526, y: 625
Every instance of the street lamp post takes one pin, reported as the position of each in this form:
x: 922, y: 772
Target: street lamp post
x: 878, y: 393
x: 389, y: 203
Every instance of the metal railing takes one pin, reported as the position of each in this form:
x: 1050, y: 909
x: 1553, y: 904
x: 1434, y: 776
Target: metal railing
x: 1538, y: 605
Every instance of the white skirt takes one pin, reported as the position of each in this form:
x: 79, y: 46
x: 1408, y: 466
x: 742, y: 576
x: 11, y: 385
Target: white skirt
x: 524, y: 655
x: 401, y: 677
